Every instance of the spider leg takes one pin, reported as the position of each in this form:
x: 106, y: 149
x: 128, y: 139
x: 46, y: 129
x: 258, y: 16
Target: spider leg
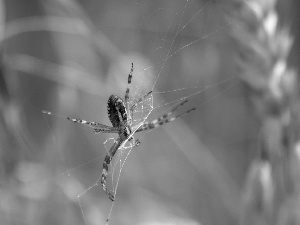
x: 165, y: 118
x: 107, y: 162
x: 98, y: 127
x: 127, y: 91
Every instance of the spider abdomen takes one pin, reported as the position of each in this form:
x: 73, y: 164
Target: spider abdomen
x: 117, y: 112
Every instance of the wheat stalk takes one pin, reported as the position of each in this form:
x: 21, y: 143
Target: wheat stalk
x: 271, y: 194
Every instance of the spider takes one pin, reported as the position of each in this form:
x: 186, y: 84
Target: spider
x: 120, y: 113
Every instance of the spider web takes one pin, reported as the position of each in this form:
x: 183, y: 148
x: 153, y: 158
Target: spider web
x: 169, y: 42
x: 165, y: 47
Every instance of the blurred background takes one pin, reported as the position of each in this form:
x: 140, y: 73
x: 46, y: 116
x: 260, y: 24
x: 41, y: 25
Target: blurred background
x: 68, y: 57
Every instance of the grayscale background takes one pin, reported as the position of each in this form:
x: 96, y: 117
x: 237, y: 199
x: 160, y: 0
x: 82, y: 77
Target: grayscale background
x: 69, y: 56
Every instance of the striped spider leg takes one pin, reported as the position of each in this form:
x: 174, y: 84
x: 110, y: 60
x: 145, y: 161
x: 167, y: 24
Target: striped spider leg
x: 165, y: 118
x: 98, y: 127
x: 120, y: 114
x: 127, y: 94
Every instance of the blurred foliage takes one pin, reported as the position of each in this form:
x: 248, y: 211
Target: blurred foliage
x: 271, y: 193
x: 68, y: 57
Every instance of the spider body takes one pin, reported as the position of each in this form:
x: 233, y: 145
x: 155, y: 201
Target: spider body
x: 116, y: 110
x: 120, y: 113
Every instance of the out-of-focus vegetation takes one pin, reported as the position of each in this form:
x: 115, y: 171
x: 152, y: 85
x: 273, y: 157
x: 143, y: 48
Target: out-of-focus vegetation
x: 68, y: 57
